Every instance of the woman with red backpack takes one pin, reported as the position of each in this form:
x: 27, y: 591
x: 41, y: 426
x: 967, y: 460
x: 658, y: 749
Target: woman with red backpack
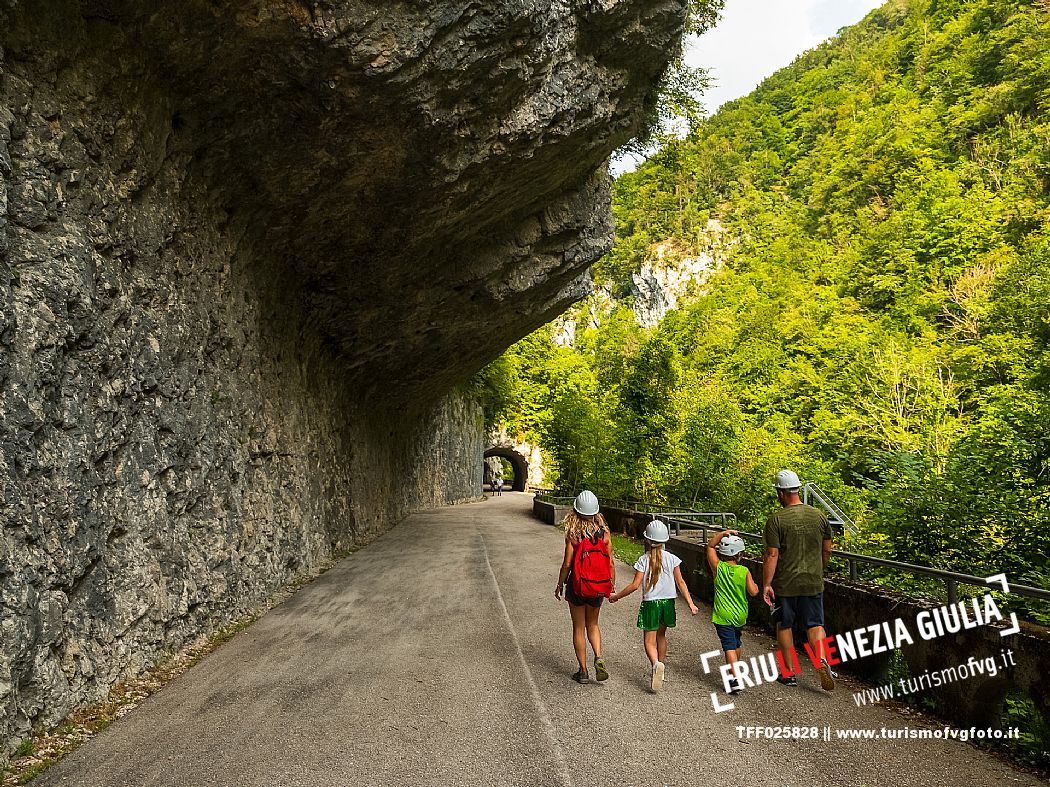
x: 587, y: 576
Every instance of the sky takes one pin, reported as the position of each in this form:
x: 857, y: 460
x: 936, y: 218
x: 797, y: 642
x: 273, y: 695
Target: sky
x: 755, y: 38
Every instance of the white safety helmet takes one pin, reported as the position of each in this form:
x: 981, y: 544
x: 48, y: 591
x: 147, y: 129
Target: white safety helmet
x: 787, y: 479
x: 657, y: 532
x: 585, y: 504
x: 730, y: 546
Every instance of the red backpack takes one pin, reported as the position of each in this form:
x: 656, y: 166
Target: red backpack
x: 591, y: 569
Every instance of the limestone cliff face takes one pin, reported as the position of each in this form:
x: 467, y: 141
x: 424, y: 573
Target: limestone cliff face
x: 246, y: 252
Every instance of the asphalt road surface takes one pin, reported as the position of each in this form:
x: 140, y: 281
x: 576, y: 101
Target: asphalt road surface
x: 438, y: 656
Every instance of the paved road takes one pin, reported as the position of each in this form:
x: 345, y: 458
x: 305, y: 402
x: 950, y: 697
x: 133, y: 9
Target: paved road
x: 438, y: 656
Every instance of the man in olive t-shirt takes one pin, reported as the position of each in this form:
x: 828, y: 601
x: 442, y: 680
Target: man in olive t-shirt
x: 798, y: 545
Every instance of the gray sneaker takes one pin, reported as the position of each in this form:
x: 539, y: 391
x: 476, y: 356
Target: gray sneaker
x: 581, y: 677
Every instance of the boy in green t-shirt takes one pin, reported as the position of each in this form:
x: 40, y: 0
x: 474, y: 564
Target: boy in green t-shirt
x: 733, y: 584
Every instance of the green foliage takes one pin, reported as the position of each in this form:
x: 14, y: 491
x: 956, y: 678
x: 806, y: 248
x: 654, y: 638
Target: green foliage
x: 1033, y: 746
x: 496, y: 388
x: 675, y: 99
x: 882, y: 321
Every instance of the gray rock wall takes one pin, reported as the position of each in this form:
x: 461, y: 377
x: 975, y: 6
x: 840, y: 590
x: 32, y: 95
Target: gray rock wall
x: 169, y: 458
x: 247, y: 253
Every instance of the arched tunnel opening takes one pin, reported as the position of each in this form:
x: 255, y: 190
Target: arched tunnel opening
x: 518, y: 464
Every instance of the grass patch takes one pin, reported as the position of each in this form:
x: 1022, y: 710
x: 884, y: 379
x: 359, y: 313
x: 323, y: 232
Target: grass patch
x: 627, y: 549
x: 1033, y: 747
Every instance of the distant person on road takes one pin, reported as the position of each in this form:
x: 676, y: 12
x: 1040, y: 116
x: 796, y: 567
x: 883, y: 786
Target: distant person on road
x: 497, y: 482
x: 587, y: 576
x: 733, y: 584
x: 798, y: 542
x: 660, y: 572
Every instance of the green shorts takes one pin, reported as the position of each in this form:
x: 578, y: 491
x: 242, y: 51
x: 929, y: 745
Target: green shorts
x: 656, y: 613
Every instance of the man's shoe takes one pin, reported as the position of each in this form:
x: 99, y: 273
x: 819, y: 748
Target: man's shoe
x: 827, y: 677
x: 600, y: 672
x: 581, y: 677
x: 791, y: 681
x: 658, y: 676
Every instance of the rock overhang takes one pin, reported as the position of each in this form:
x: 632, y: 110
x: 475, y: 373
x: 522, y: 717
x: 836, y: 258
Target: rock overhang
x: 404, y: 173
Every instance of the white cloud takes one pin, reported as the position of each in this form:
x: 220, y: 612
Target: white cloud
x: 755, y: 38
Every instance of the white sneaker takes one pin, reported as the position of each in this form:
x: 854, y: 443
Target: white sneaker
x: 658, y: 676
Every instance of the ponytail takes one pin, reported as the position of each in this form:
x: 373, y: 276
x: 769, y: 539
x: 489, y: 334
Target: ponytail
x: 656, y: 565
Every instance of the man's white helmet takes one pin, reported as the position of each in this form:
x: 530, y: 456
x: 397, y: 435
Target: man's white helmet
x: 657, y: 532
x: 787, y: 479
x: 730, y: 546
x: 585, y: 504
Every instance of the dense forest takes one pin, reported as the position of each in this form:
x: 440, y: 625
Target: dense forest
x: 881, y: 321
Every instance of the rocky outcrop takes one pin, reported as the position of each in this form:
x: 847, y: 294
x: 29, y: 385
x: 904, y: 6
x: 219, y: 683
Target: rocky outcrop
x: 248, y: 252
x: 673, y: 275
x: 670, y: 277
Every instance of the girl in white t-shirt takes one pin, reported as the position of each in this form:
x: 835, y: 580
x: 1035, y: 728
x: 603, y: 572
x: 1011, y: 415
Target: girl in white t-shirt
x: 659, y: 569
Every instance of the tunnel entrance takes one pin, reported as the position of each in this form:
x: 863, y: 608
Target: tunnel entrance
x: 518, y: 464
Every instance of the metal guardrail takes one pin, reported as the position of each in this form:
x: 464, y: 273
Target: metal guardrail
x: 951, y: 579
x: 676, y: 517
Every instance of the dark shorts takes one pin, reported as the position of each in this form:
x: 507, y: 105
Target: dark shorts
x: 729, y: 635
x: 803, y: 612
x: 579, y: 601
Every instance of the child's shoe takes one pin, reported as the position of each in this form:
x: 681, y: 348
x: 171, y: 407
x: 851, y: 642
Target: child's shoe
x: 600, y: 672
x: 827, y: 677
x: 580, y: 676
x: 658, y: 676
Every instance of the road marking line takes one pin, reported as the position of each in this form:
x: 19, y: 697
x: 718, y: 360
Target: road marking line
x: 541, y: 710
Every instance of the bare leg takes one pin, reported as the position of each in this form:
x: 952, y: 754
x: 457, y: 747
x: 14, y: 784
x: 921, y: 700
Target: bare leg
x: 579, y: 633
x: 594, y: 634
x: 786, y: 641
x: 649, y: 640
x: 816, y: 636
x: 661, y: 643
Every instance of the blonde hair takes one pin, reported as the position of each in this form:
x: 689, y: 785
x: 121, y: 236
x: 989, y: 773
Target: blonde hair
x: 656, y: 564
x: 578, y: 527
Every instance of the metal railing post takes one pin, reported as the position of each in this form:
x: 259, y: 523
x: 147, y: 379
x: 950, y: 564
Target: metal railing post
x: 951, y: 587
